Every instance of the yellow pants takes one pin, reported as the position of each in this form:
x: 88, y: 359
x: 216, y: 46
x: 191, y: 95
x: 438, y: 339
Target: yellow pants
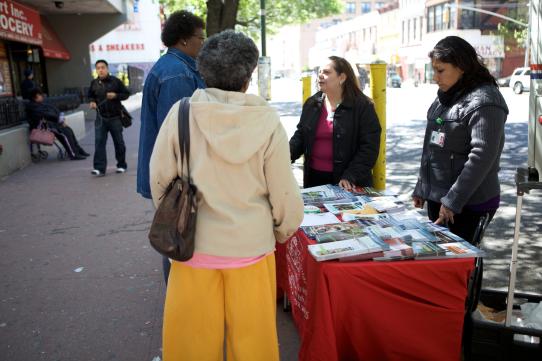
x: 202, y: 304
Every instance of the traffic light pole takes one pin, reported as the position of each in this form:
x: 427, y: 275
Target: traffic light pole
x: 262, y: 25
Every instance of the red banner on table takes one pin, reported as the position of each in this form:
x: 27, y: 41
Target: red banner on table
x: 20, y: 23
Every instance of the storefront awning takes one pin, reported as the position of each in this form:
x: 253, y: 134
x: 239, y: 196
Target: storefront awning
x: 52, y: 45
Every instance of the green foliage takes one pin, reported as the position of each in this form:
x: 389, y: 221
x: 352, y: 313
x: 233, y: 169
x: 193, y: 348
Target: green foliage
x: 278, y: 12
x: 512, y: 32
x: 517, y: 32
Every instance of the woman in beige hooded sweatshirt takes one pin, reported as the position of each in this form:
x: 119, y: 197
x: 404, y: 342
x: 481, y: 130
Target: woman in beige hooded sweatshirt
x: 240, y: 162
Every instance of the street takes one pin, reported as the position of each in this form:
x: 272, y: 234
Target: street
x: 79, y: 280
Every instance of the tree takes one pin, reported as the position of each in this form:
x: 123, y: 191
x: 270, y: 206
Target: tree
x: 227, y: 14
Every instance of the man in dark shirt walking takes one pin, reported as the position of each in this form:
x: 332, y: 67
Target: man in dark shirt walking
x: 105, y: 94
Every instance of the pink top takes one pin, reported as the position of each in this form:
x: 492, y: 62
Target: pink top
x: 201, y: 260
x: 322, y: 149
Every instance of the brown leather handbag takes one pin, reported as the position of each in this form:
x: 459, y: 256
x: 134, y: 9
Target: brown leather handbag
x: 173, y: 228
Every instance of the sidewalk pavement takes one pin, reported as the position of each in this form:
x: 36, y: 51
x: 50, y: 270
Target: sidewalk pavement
x: 78, y: 279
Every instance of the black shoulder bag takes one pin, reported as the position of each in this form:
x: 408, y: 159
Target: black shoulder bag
x: 173, y: 228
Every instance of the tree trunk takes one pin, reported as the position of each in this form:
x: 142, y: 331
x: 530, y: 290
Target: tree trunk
x: 214, y: 15
x: 229, y: 14
x: 221, y: 15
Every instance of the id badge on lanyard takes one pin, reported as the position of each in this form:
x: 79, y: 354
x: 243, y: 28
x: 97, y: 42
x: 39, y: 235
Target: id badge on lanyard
x: 438, y: 137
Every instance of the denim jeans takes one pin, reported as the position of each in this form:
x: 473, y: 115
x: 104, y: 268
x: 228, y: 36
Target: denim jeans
x: 102, y: 126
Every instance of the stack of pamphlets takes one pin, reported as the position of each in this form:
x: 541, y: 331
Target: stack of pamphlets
x: 317, y: 196
x: 355, y: 247
x: 371, y: 192
x: 316, y: 219
x: 388, y: 204
x: 334, y: 232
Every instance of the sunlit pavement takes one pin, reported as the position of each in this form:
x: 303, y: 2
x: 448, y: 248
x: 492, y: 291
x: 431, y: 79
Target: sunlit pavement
x: 79, y: 281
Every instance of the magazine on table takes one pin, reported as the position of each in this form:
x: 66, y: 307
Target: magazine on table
x: 445, y: 236
x: 317, y: 219
x: 346, y: 249
x: 424, y: 249
x: 366, y: 220
x: 388, y: 206
x: 461, y: 249
x: 371, y: 192
x: 398, y: 248
x: 326, y: 193
x: 348, y: 207
x: 336, y: 231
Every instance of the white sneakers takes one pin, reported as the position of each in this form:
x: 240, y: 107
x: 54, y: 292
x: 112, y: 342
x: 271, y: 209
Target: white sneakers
x: 98, y: 173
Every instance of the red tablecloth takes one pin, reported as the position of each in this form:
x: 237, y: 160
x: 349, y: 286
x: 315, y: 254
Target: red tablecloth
x: 407, y: 310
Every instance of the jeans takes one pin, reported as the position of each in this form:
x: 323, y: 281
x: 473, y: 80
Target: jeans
x: 102, y: 126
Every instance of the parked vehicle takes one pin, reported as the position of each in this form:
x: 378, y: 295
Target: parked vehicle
x: 504, y: 82
x: 520, y: 80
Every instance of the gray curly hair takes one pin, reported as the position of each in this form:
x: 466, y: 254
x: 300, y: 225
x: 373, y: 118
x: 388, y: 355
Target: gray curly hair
x: 227, y: 59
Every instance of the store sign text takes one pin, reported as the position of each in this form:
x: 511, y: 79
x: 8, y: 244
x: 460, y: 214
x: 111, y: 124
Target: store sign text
x: 117, y: 47
x: 19, y: 22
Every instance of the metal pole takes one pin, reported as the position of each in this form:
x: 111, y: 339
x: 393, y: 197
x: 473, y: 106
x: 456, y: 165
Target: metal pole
x: 262, y: 25
x: 513, y: 262
x: 528, y: 37
x: 378, y: 93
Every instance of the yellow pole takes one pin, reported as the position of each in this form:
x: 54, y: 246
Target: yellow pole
x: 378, y: 93
x: 306, y: 81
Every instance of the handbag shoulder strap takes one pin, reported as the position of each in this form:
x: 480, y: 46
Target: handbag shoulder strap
x: 184, y: 133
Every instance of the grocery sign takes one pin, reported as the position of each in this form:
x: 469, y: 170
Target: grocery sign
x: 19, y: 23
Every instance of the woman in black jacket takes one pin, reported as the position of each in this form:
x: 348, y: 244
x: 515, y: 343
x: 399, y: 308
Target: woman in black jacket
x: 38, y: 110
x: 339, y: 132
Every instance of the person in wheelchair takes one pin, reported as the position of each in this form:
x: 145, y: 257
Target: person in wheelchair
x: 38, y: 110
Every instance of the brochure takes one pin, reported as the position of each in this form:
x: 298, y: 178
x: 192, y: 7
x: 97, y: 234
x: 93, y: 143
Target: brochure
x: 315, y: 219
x: 340, y: 207
x: 461, y: 249
x: 337, y: 231
x: 347, y: 248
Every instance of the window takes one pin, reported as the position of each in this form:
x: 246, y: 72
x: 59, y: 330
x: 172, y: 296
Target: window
x: 414, y: 28
x: 430, y: 19
x: 350, y: 8
x: 528, y: 72
x: 403, y: 33
x: 518, y: 72
x: 467, y: 17
x: 421, y: 27
x: 379, y: 5
x: 438, y: 17
x: 408, y: 31
x: 365, y: 8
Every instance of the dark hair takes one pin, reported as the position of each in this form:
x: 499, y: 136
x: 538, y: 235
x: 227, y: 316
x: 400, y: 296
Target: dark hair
x: 227, y: 59
x: 28, y: 72
x: 351, y: 88
x: 180, y: 25
x: 101, y: 61
x: 458, y: 52
x: 35, y: 92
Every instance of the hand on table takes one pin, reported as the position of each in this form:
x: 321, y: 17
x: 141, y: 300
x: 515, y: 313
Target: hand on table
x: 445, y: 215
x: 346, y: 185
x: 418, y: 201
